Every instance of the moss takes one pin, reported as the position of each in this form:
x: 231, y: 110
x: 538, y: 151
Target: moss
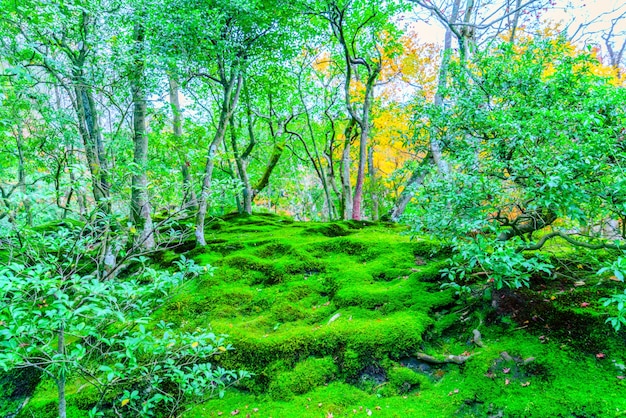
x: 429, y: 249
x: 351, y: 363
x: 428, y: 273
x: 80, y: 398
x: 341, y: 246
x: 307, y: 375
x: 223, y: 248
x: 329, y: 230
x: 403, y: 380
x: 269, y: 274
x: 274, y: 250
x: 67, y: 223
x: 352, y: 224
x: 16, y: 386
x: 286, y: 312
x: 375, y: 338
x: 277, y: 288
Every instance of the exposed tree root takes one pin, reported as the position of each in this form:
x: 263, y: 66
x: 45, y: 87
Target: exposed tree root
x: 447, y: 359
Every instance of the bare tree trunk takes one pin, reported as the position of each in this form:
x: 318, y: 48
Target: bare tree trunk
x: 436, y: 148
x: 467, y: 38
x: 21, y: 175
x: 189, y: 196
x: 515, y: 20
x: 371, y: 170
x: 61, y: 379
x: 231, y: 90
x: 346, y: 186
x: 140, y: 204
x: 241, y: 162
x: 316, y: 158
x: 329, y: 152
x: 364, y: 125
x: 360, y: 176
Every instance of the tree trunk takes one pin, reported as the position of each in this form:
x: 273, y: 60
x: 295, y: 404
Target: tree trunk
x: 189, y: 196
x: 467, y: 38
x: 360, y: 176
x: 371, y: 170
x: 89, y: 130
x: 242, y: 170
x: 436, y: 148
x: 140, y: 205
x: 364, y: 125
x: 515, y: 20
x: 346, y: 186
x: 263, y: 182
x: 417, y: 179
x: 229, y: 102
x: 61, y: 379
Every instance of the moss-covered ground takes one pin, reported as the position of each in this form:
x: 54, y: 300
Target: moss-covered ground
x: 332, y: 320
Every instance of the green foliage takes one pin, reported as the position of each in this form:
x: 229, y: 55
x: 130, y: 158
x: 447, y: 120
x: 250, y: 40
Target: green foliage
x: 64, y: 322
x: 618, y: 268
x: 531, y: 131
x: 498, y: 261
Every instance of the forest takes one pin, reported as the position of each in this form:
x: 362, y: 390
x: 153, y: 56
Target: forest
x: 312, y: 208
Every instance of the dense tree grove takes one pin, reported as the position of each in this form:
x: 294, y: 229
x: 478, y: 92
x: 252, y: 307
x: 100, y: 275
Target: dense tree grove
x: 127, y: 126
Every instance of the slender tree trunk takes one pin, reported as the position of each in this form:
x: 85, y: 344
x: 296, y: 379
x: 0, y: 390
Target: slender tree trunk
x: 330, y: 173
x: 62, y: 378
x: 242, y: 170
x: 89, y: 130
x: 332, y: 182
x: 21, y: 175
x: 264, y: 181
x: 371, y: 171
x: 189, y: 196
x: 518, y: 5
x: 416, y: 180
x: 436, y: 147
x: 140, y: 203
x: 364, y: 125
x: 346, y: 186
x: 360, y: 176
x: 231, y: 172
x: 231, y: 90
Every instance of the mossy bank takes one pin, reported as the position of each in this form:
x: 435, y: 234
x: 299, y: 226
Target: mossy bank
x: 334, y: 319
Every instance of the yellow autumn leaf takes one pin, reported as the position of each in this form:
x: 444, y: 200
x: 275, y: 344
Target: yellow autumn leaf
x: 194, y: 344
x: 125, y: 402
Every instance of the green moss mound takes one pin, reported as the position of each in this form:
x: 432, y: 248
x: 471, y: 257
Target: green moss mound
x: 335, y: 318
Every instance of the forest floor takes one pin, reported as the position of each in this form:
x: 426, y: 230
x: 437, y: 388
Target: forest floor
x: 349, y: 319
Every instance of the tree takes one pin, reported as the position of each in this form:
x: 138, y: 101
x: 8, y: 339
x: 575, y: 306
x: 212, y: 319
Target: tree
x: 60, y: 318
x: 358, y: 30
x: 59, y: 39
x: 534, y: 134
x: 140, y: 209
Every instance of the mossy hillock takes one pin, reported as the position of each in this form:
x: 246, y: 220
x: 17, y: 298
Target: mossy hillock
x: 336, y: 319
